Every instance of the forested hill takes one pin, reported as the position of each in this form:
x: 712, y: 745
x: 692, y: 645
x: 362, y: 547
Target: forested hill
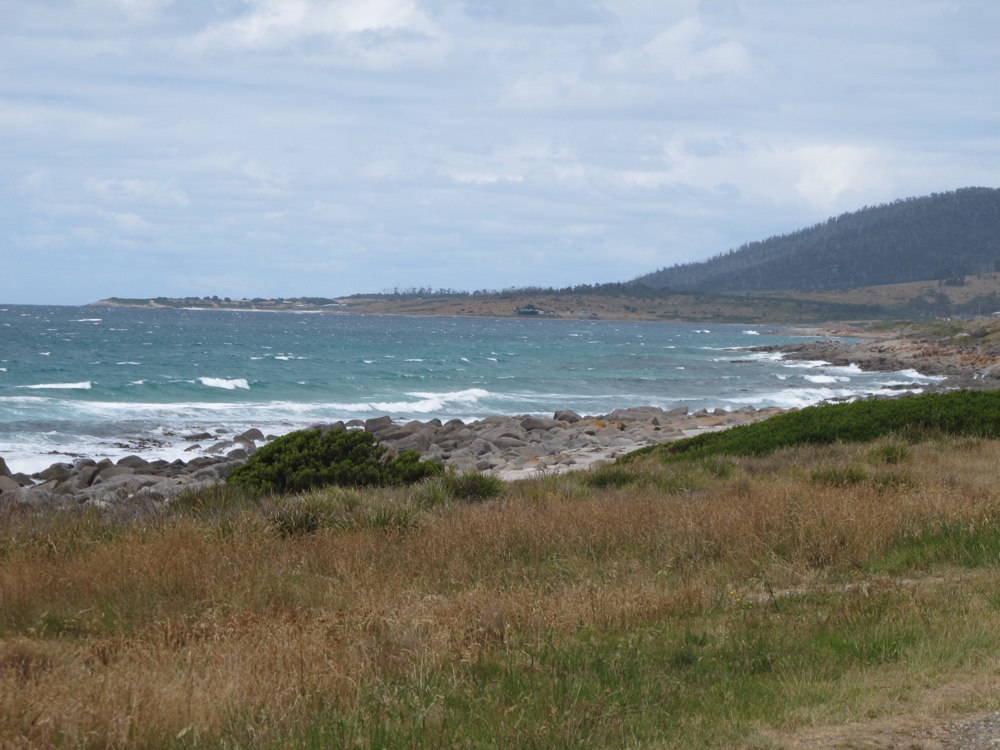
x: 941, y: 236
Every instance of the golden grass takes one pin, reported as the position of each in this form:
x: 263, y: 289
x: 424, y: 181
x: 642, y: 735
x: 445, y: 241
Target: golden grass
x: 192, y: 627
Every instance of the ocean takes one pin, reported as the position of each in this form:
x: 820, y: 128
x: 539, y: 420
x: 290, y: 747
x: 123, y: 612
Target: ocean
x: 108, y: 382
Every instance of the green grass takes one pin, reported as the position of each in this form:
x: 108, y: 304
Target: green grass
x: 670, y: 682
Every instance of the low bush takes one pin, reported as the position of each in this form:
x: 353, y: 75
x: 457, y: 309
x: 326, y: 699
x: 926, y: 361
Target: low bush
x: 966, y: 413
x: 307, y: 459
x: 473, y: 486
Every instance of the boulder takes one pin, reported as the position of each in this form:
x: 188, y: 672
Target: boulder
x: 56, y: 471
x: 110, y: 472
x: 252, y: 434
x: 4, y: 471
x: 7, y: 484
x: 567, y: 415
x: 132, y: 462
x: 538, y: 423
x: 199, y: 436
x: 378, y: 424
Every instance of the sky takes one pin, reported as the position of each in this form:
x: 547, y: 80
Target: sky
x: 267, y: 148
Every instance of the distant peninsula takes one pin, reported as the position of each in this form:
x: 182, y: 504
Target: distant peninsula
x: 930, y: 257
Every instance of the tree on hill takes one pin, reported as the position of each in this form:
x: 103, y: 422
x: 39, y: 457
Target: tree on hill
x: 941, y: 236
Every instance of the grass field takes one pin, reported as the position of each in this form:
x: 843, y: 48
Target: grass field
x: 722, y: 601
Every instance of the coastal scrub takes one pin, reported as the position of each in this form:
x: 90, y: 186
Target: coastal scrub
x: 306, y: 459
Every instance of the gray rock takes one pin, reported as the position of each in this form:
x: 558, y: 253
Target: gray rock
x: 253, y: 434
x: 58, y: 471
x: 7, y: 484
x: 225, y: 445
x: 199, y: 436
x: 239, y: 454
x: 23, y: 479
x: 110, y: 472
x: 538, y: 423
x: 378, y: 424
x: 195, y: 447
x: 4, y: 471
x: 132, y: 462
x: 567, y: 415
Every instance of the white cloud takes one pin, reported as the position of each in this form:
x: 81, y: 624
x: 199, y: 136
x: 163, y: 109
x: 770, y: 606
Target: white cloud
x: 687, y: 51
x: 373, y: 31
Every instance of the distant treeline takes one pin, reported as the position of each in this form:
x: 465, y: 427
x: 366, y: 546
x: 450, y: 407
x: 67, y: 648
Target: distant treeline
x: 631, y: 288
x: 943, y: 236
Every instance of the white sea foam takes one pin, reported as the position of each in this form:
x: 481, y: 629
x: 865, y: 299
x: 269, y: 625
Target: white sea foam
x: 492, y: 359
x: 752, y: 333
x: 85, y: 386
x: 825, y: 379
x: 913, y: 374
x: 228, y: 384
x: 283, y: 357
x: 3, y: 369
x: 88, y: 320
x: 807, y: 364
x: 414, y: 360
x: 45, y: 354
x: 128, y: 363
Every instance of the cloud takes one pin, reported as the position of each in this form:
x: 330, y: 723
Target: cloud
x: 687, y: 51
x: 538, y: 12
x: 156, y: 192
x: 374, y: 31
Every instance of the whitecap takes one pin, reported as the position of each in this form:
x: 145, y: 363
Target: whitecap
x: 255, y: 358
x: 45, y: 354
x: 3, y: 369
x: 809, y: 364
x: 84, y: 386
x: 414, y: 360
x: 368, y: 361
x: 492, y: 359
x: 283, y: 358
x: 128, y: 363
x: 915, y: 374
x: 752, y: 333
x: 228, y: 384
x: 825, y: 379
x: 88, y: 320
x: 137, y: 382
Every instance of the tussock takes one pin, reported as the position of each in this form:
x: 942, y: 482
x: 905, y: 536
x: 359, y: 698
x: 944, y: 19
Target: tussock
x: 349, y: 615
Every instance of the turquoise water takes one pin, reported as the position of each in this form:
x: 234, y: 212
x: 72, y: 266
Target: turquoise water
x: 108, y: 382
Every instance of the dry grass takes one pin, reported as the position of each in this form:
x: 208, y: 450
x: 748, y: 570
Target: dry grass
x: 208, y: 626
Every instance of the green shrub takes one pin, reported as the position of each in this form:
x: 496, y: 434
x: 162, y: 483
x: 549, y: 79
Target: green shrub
x: 612, y: 476
x: 890, y: 453
x: 473, y: 486
x: 965, y: 413
x: 835, y: 477
x: 306, y: 459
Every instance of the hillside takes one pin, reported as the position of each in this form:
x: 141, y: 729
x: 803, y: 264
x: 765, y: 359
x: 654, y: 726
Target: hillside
x: 943, y: 236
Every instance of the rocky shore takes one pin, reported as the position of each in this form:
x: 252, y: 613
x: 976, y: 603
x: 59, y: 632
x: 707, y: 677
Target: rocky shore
x: 510, y: 447
x: 973, y: 367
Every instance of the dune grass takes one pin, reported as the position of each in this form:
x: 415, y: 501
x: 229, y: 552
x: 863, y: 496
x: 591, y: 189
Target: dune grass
x: 717, y: 602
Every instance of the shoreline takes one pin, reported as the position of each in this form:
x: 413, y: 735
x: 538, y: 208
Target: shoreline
x: 514, y: 447
x: 510, y: 447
